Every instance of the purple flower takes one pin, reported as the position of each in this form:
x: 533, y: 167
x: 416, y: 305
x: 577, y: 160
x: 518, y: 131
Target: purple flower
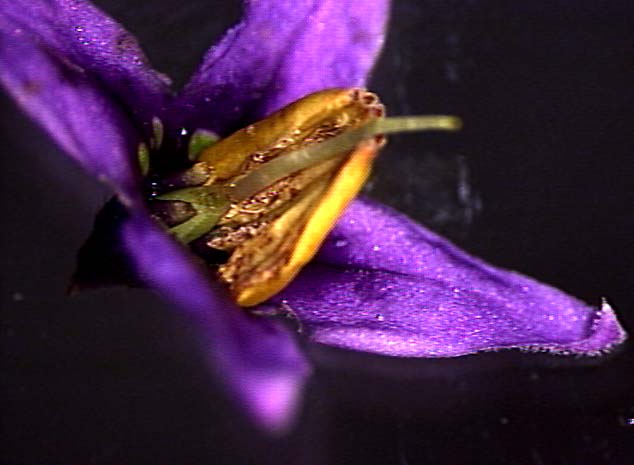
x: 380, y: 283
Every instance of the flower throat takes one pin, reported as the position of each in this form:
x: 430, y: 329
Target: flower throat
x: 259, y: 203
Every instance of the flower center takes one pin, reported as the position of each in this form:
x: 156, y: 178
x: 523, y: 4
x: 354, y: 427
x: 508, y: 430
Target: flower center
x: 258, y: 203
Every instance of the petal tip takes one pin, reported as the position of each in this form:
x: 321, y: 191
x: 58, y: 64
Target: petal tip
x: 607, y: 327
x: 275, y: 404
x: 604, y: 335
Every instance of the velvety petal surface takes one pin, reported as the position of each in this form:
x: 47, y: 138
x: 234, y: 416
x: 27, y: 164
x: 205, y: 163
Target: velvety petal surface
x: 257, y: 358
x: 85, y: 37
x: 281, y: 51
x: 385, y: 284
x: 78, y: 115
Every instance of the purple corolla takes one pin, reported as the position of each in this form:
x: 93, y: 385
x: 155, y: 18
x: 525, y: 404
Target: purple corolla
x: 380, y: 283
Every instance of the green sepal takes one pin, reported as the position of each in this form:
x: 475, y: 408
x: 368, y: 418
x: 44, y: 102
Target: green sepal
x: 199, y: 141
x: 143, y: 157
x: 209, y: 204
x: 204, y: 221
x: 157, y: 133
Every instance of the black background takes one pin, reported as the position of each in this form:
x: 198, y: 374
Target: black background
x: 540, y: 180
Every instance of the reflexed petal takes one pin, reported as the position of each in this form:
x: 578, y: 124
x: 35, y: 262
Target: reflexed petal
x: 256, y: 357
x: 84, y: 121
x: 87, y: 38
x: 281, y: 51
x: 384, y: 284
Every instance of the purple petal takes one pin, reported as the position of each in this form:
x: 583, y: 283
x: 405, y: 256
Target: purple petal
x: 384, y: 284
x: 84, y: 121
x: 83, y: 35
x: 257, y: 358
x: 281, y: 51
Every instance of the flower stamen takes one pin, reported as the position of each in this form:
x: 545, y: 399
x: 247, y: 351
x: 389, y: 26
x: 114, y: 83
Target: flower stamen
x: 273, y: 190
